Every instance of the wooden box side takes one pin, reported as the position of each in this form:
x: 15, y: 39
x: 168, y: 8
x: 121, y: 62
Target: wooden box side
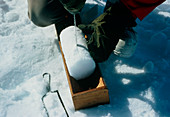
x: 90, y: 98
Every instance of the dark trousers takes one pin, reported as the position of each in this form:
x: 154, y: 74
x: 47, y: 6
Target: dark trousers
x: 46, y: 12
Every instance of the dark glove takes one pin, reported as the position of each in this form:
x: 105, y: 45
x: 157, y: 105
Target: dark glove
x: 103, y: 36
x: 106, y: 30
x: 73, y: 6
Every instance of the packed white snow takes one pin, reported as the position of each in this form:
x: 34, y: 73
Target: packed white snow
x: 138, y: 86
x: 79, y: 62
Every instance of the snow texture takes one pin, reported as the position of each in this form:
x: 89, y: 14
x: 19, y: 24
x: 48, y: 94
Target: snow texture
x: 138, y: 86
x: 79, y: 62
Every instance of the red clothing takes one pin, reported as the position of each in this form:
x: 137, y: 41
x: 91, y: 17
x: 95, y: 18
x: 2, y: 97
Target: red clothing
x: 141, y: 8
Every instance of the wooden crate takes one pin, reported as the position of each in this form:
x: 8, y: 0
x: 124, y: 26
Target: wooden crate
x: 89, y: 92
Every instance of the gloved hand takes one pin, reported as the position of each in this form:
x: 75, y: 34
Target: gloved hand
x: 106, y: 30
x: 73, y: 6
x: 103, y: 36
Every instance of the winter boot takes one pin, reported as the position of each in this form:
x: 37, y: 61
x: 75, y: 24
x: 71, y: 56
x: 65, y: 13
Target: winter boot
x: 127, y: 43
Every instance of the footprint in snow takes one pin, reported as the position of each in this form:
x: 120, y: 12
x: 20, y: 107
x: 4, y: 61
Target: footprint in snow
x: 11, y: 17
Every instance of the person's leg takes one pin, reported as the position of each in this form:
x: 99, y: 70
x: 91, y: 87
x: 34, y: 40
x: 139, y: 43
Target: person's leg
x: 126, y: 11
x: 122, y: 16
x: 124, y: 22
x: 46, y: 12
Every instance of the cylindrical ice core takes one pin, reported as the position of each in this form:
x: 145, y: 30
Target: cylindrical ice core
x: 79, y: 62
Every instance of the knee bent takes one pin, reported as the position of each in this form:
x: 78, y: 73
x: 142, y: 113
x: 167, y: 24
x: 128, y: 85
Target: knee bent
x: 37, y: 12
x: 38, y: 19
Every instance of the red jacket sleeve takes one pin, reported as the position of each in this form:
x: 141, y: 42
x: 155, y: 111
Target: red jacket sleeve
x: 141, y: 8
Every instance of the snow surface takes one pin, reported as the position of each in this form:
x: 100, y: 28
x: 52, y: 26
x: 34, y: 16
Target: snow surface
x: 138, y: 86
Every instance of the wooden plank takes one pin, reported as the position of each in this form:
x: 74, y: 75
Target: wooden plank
x: 90, y: 98
x: 73, y: 84
x: 88, y: 92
